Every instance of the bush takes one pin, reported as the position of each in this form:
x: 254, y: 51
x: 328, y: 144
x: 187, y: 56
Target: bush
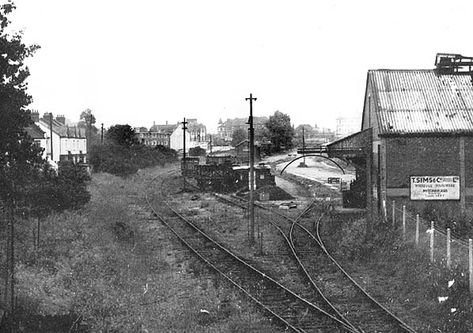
x: 56, y: 192
x: 197, y: 151
x: 123, y: 161
x: 461, y: 224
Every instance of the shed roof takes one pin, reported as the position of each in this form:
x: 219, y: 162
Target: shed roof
x: 422, y: 101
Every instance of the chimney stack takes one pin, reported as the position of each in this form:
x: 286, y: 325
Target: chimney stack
x: 47, y: 116
x: 61, y: 118
x: 34, y: 116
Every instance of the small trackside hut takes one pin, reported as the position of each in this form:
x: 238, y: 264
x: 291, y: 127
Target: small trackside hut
x: 416, y: 140
x: 221, y: 175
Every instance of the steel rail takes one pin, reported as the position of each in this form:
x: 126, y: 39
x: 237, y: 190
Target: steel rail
x: 298, y: 260
x: 319, y: 242
x: 342, y: 324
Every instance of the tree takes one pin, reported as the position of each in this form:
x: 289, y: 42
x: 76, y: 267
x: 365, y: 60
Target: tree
x: 238, y: 136
x: 20, y: 159
x: 280, y: 131
x: 87, y: 121
x: 304, y: 130
x: 196, y: 151
x: 122, y: 135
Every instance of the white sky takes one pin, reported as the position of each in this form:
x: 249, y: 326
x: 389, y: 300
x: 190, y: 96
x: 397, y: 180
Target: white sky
x: 136, y: 62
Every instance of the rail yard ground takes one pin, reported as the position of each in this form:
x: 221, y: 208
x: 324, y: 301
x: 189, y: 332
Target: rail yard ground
x: 114, y: 267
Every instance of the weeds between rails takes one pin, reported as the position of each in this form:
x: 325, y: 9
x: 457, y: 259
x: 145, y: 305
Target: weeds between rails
x: 287, y: 307
x: 356, y: 305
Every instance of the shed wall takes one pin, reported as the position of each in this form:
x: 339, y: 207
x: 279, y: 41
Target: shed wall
x: 429, y: 156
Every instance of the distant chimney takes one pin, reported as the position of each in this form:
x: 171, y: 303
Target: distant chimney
x: 47, y: 116
x: 34, y: 116
x: 61, y: 119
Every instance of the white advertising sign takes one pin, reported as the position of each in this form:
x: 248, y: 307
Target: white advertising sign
x: 435, y: 188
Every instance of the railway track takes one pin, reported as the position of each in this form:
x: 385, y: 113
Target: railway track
x: 356, y: 305
x: 345, y: 298
x: 288, y: 308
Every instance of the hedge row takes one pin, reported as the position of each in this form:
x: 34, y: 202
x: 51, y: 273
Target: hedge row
x: 122, y: 161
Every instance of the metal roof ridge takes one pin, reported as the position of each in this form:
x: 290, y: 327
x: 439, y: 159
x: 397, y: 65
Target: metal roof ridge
x: 400, y: 70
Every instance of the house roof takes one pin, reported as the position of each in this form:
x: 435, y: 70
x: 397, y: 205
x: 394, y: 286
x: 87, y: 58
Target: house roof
x: 422, y: 101
x: 64, y: 131
x: 236, y: 122
x: 35, y: 132
x: 164, y: 128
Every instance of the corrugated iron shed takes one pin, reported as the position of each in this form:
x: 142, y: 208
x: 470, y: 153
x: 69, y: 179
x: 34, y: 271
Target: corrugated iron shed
x: 422, y: 102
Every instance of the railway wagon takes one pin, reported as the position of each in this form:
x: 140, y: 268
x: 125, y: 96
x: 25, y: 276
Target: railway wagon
x: 220, y: 178
x: 225, y: 177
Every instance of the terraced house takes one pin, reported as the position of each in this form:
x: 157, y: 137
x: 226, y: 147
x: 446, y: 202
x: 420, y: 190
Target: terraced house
x: 62, y: 142
x: 172, y: 136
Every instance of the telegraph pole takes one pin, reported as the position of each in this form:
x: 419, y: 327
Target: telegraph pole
x: 184, y: 127
x: 51, y: 133
x: 12, y: 258
x: 302, y: 164
x: 252, y: 171
x: 303, y: 141
x: 210, y: 144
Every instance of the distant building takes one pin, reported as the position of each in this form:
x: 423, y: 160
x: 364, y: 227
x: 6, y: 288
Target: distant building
x: 171, y: 135
x: 242, y: 152
x: 225, y: 129
x: 69, y: 143
x: 38, y: 136
x: 196, y: 136
x: 322, y: 135
x: 154, y: 136
x: 347, y: 125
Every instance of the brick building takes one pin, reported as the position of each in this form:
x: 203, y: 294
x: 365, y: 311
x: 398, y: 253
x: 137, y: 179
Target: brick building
x: 226, y: 128
x: 171, y: 135
x: 156, y: 135
x: 416, y: 141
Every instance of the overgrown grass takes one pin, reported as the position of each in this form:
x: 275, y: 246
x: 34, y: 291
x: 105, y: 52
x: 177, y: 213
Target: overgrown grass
x: 112, y: 270
x: 434, y: 297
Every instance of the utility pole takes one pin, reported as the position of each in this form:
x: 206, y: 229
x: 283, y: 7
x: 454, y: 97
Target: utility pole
x: 12, y: 258
x: 303, y: 141
x: 184, y: 127
x: 51, y: 133
x: 252, y: 171
x: 101, y: 135
x: 210, y: 143
x: 87, y: 135
x: 303, y: 146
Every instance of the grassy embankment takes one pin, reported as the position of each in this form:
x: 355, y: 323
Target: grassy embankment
x: 111, y: 269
